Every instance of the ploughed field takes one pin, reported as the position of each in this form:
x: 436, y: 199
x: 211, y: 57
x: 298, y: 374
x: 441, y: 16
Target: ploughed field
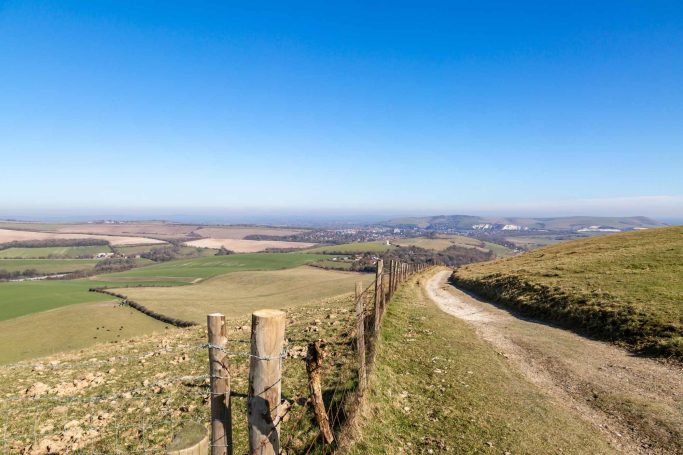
x: 625, y: 287
x: 10, y: 235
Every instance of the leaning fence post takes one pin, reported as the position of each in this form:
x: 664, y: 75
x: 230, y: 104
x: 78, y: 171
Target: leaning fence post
x: 360, y: 338
x: 265, y: 381
x: 221, y: 411
x: 314, y: 360
x: 392, y: 266
x: 378, y: 293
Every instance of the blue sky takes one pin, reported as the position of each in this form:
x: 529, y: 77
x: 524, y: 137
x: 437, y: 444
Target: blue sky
x: 544, y: 108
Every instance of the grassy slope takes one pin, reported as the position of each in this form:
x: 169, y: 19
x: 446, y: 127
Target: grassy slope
x: 71, y: 327
x: 238, y: 293
x: 625, y: 287
x: 66, y: 251
x: 19, y: 299
x: 438, y: 388
x: 445, y: 241
x: 48, y: 265
x: 532, y: 241
x: 437, y: 243
x: 360, y: 247
x: 184, y: 250
x: 163, y: 402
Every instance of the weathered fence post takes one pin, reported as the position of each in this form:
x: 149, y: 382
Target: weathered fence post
x: 221, y: 406
x: 360, y: 338
x: 392, y: 270
x: 378, y: 294
x: 314, y: 360
x: 265, y: 381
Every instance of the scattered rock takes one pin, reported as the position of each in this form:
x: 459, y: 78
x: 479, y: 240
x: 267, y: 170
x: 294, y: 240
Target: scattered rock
x: 37, y: 389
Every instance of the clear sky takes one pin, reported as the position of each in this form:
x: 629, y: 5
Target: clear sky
x: 548, y: 107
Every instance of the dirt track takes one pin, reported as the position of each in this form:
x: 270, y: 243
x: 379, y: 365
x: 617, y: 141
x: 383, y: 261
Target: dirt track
x: 637, y: 403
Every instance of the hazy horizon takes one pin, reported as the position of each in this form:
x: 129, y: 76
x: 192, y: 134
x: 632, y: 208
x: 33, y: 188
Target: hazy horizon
x: 291, y: 218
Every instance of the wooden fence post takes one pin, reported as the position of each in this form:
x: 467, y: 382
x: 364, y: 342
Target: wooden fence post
x: 392, y: 273
x: 265, y: 381
x: 221, y: 406
x: 314, y: 360
x: 360, y: 338
x: 378, y: 293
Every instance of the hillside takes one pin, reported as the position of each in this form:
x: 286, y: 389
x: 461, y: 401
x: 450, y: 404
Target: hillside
x: 573, y: 223
x: 625, y: 287
x: 438, y: 388
x: 132, y: 396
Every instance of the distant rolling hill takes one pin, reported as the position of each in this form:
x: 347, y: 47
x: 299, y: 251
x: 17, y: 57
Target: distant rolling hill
x: 571, y: 223
x: 626, y: 287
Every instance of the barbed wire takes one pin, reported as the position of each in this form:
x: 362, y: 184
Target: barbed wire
x: 282, y: 355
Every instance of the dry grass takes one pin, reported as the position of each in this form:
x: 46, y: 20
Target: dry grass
x: 8, y: 235
x: 239, y: 293
x: 245, y: 246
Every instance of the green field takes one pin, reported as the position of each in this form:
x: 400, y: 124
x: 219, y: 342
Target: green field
x: 72, y: 327
x: 625, y: 287
x: 532, y: 241
x: 499, y: 250
x: 22, y: 298
x: 190, y: 270
x: 19, y: 299
x: 183, y: 250
x: 238, y: 293
x: 60, y: 251
x: 48, y: 266
x: 28, y: 226
x: 360, y: 247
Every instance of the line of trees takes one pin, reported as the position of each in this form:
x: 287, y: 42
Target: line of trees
x: 453, y: 256
x: 53, y: 243
x: 6, y: 275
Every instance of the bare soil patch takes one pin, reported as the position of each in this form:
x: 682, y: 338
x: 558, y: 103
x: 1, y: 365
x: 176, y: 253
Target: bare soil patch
x: 131, y: 229
x: 246, y: 246
x: 8, y: 235
x: 240, y: 232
